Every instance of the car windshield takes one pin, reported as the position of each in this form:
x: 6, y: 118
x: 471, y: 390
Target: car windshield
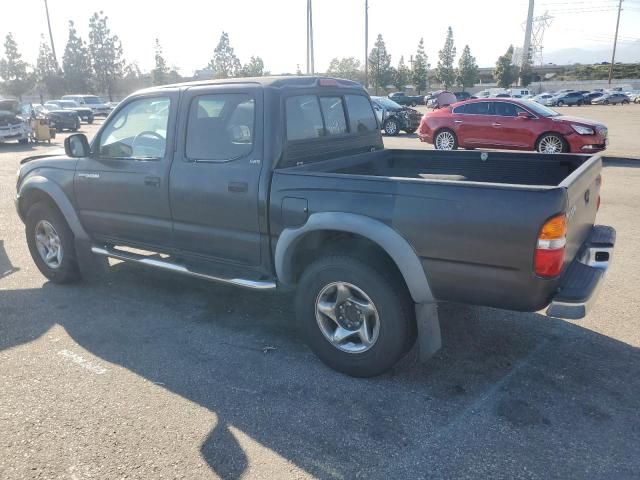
x: 93, y: 100
x: 538, y: 109
x: 386, y: 103
x: 67, y: 103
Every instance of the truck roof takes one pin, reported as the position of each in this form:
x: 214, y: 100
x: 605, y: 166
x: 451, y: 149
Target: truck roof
x: 299, y: 81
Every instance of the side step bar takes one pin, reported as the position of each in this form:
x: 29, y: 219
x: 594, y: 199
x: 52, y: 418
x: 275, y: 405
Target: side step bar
x: 177, y: 268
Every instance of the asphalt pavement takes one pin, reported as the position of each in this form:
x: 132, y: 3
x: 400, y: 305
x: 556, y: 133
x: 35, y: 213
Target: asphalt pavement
x: 145, y: 375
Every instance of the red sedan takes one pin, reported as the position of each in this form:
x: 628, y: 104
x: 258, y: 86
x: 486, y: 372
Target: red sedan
x: 511, y: 124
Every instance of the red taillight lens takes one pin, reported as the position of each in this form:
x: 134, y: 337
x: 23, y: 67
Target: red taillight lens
x: 549, y: 255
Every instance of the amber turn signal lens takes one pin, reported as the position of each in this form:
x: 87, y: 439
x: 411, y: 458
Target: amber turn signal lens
x: 554, y: 229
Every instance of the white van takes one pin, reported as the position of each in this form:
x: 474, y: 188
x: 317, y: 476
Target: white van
x: 520, y: 93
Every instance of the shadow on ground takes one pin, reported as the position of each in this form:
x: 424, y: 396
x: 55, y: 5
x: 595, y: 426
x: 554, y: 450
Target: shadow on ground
x: 510, y: 395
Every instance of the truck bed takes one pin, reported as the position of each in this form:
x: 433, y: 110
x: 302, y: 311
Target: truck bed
x: 470, y: 166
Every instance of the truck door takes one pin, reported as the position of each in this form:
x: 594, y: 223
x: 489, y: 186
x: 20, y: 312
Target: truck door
x: 216, y: 175
x: 122, y: 188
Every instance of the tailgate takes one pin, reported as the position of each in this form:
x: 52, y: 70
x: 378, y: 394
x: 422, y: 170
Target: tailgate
x: 583, y: 191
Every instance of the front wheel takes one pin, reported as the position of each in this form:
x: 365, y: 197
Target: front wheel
x: 560, y: 103
x: 90, y: 120
x: 552, y: 143
x: 357, y: 319
x: 23, y: 141
x: 51, y: 243
x: 410, y: 130
x: 445, y: 140
x: 391, y: 127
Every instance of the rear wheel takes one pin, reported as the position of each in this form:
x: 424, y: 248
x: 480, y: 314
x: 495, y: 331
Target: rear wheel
x: 23, y: 140
x: 391, y: 127
x: 552, y: 143
x: 625, y: 102
x: 560, y: 103
x: 358, y: 319
x: 445, y: 140
x: 606, y: 102
x: 51, y: 243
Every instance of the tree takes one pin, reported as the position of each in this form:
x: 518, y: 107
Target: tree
x: 379, y: 65
x: 445, y: 72
x: 13, y: 70
x: 347, y: 67
x: 224, y: 63
x: 402, y: 75
x: 526, y: 72
x: 106, y: 54
x: 505, y: 72
x: 467, y: 69
x: 255, y: 67
x: 48, y: 76
x: 76, y: 64
x: 420, y: 68
x: 159, y: 75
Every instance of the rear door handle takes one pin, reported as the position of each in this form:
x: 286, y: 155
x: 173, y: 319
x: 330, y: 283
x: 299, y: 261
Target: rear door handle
x: 239, y: 187
x: 152, y: 181
x: 457, y: 121
x: 497, y: 124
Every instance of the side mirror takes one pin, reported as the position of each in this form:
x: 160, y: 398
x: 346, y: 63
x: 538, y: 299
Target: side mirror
x: 77, y: 145
x: 525, y: 115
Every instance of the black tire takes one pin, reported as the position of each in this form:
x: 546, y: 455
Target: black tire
x: 90, y: 120
x: 606, y: 102
x: 391, y: 127
x: 410, y: 130
x: 579, y: 103
x: 552, y: 136
x: 397, y: 327
x: 413, y: 104
x: 440, y: 132
x: 625, y: 102
x: 560, y: 103
x: 22, y: 141
x: 68, y: 270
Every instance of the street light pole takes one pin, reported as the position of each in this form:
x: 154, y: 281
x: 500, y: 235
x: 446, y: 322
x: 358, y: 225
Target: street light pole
x: 366, y: 43
x: 53, y: 47
x: 615, y: 42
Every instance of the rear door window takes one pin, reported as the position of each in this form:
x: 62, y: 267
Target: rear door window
x: 479, y: 108
x: 333, y: 112
x: 362, y: 118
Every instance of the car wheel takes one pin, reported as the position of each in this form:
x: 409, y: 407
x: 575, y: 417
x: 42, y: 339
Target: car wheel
x: 579, y: 104
x: 391, y: 127
x: 51, y: 243
x: 413, y: 104
x: 552, y: 143
x: 90, y: 120
x: 357, y: 319
x: 560, y: 103
x: 625, y: 102
x: 445, y: 140
x: 606, y: 102
x: 410, y: 130
x: 23, y: 141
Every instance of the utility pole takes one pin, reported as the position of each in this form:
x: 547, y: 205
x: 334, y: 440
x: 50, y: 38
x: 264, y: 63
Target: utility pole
x: 366, y: 43
x: 53, y: 48
x: 526, y: 47
x: 615, y: 42
x: 310, y: 68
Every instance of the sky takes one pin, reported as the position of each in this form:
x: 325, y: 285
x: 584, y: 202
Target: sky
x: 189, y: 30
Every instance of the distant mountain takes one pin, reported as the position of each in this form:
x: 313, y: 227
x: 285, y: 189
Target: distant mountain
x: 626, y: 53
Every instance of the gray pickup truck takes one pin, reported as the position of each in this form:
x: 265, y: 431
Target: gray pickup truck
x: 284, y: 182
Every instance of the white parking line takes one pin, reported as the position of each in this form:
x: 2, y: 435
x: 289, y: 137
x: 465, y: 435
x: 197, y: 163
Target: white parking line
x: 84, y: 363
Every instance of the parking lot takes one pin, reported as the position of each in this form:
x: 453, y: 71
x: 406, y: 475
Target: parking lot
x: 141, y: 374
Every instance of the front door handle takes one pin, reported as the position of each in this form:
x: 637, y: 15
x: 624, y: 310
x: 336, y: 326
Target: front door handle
x: 497, y: 124
x: 238, y: 187
x: 457, y: 121
x: 152, y: 181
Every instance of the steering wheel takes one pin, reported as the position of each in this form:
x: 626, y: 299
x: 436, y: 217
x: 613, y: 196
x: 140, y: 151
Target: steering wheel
x: 139, y: 143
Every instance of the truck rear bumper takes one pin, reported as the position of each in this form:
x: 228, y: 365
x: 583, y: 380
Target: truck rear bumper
x: 583, y: 278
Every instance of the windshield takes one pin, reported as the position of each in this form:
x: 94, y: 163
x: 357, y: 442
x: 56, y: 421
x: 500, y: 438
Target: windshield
x: 386, y: 103
x: 93, y: 100
x: 67, y: 104
x: 538, y: 109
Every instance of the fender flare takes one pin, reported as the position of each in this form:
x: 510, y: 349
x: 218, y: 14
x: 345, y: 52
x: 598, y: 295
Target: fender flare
x: 384, y: 236
x: 55, y: 192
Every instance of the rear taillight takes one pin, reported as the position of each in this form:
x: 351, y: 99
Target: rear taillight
x: 549, y: 256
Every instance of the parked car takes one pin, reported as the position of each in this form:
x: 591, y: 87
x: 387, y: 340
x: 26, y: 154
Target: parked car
x: 85, y: 113
x: 513, y: 124
x: 611, y: 99
x: 253, y: 183
x: 13, y: 126
x: 462, y: 96
x: 393, y: 117
x: 441, y: 98
x: 634, y: 97
x: 404, y: 99
x: 519, y: 92
x: 59, y: 118
x: 567, y: 98
x: 500, y: 95
x: 97, y: 104
x: 542, y: 97
x: 588, y: 97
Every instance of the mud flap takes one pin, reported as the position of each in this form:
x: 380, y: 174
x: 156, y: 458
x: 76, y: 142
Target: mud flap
x: 429, y: 338
x: 92, y: 267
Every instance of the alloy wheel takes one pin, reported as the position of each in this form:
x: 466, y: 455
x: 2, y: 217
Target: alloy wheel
x: 48, y: 244
x: 445, y: 141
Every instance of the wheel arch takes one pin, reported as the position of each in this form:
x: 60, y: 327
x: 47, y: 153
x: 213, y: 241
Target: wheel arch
x: 37, y: 188
x: 326, y: 227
